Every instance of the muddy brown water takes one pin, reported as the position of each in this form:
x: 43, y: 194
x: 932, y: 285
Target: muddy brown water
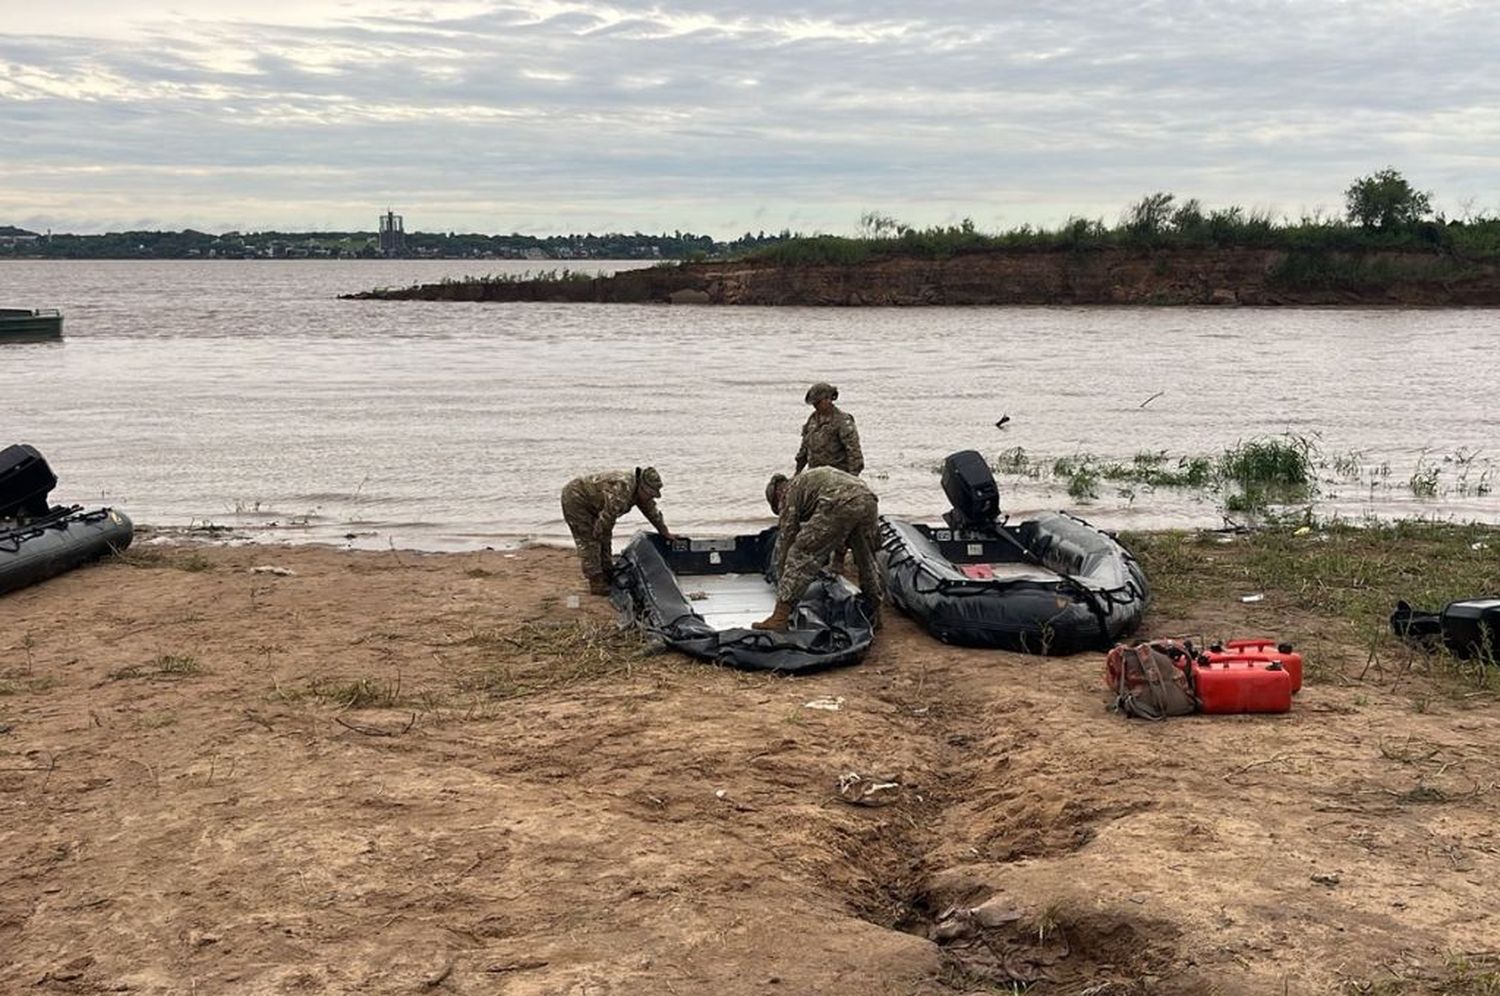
x: 245, y: 394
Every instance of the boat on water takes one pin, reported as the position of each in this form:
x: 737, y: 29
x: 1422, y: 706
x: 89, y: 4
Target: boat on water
x: 29, y: 324
x: 701, y: 595
x: 1049, y: 585
x: 39, y: 540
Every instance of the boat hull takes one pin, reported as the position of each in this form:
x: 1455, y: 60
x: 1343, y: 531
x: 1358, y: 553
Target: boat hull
x: 46, y: 547
x: 29, y: 326
x: 700, y: 596
x: 1052, y: 585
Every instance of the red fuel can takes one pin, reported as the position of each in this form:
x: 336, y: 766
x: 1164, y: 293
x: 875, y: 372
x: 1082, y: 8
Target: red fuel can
x: 1265, y: 650
x: 1239, y: 685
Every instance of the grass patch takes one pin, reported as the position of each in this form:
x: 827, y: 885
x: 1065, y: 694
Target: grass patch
x: 1353, y: 575
x: 1263, y: 471
x: 190, y: 561
x: 539, y: 656
x: 161, y: 666
x: 358, y: 693
x: 20, y: 684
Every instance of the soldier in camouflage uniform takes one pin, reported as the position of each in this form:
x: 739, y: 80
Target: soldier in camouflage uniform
x: 592, y: 504
x: 829, y: 438
x: 822, y: 510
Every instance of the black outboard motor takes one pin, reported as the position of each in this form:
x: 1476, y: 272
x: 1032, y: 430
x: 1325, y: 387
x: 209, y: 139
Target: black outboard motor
x: 25, y: 482
x: 971, y: 488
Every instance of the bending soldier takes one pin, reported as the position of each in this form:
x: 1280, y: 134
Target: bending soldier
x: 829, y: 438
x: 822, y: 510
x: 592, y: 504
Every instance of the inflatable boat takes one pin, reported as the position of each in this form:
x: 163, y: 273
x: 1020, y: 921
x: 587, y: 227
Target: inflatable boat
x: 66, y: 538
x: 39, y: 540
x: 1049, y: 585
x: 701, y: 595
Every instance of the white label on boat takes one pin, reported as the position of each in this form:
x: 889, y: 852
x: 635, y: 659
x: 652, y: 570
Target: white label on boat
x: 718, y: 543
x: 714, y: 558
x: 976, y: 549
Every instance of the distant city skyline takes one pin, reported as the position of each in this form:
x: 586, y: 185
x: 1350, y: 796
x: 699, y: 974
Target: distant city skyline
x: 559, y: 116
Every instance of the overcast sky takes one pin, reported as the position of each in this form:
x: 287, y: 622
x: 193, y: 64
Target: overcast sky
x: 543, y: 116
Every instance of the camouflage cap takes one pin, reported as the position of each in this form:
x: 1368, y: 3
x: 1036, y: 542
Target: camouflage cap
x: 649, y: 480
x: 776, y: 481
x: 819, y: 391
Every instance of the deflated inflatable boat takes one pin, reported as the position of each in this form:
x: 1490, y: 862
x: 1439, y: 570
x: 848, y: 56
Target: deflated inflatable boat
x: 701, y: 595
x: 1049, y: 585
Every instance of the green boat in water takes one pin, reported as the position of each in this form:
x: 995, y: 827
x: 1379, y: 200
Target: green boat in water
x: 30, y: 324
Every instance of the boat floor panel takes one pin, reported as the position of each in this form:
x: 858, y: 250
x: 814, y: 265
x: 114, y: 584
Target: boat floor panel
x: 729, y: 601
x: 1006, y: 572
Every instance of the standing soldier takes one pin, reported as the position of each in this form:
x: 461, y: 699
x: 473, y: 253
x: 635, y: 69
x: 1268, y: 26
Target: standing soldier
x: 829, y: 438
x: 822, y: 510
x: 592, y: 504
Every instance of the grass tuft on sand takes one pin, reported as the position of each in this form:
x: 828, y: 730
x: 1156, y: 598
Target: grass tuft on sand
x: 537, y: 656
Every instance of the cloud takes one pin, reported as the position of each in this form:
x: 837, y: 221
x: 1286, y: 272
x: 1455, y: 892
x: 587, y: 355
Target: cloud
x: 582, y: 115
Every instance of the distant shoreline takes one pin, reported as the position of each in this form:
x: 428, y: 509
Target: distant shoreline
x: 1106, y: 276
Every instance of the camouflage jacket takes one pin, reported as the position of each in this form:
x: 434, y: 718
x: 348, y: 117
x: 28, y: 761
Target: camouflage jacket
x: 804, y: 493
x: 831, y: 441
x: 608, y: 496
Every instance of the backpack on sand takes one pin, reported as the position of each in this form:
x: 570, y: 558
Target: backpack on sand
x: 1150, y: 680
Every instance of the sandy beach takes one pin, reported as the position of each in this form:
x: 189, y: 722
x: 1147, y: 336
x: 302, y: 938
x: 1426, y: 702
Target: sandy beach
x: 401, y: 773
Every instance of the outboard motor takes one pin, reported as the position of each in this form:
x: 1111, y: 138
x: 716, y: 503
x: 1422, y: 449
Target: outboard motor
x: 25, y: 482
x: 971, y: 488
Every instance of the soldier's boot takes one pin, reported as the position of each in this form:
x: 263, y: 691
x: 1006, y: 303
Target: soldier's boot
x: 777, y: 621
x: 598, y: 586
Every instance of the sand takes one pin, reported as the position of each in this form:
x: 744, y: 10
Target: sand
x: 370, y: 775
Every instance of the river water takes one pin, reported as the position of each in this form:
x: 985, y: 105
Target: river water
x: 245, y: 394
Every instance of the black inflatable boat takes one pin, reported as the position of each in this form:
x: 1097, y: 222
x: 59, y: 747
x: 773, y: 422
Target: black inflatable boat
x: 1049, y: 585
x: 701, y: 595
x: 38, y: 540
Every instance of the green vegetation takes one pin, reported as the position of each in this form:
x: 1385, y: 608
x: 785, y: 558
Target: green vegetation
x: 190, y: 244
x: 537, y: 656
x: 1385, y: 200
x: 1263, y: 476
x: 1266, y: 471
x: 161, y: 666
x: 1253, y: 475
x: 190, y: 561
x: 553, y: 276
x: 1384, y: 214
x: 1352, y: 574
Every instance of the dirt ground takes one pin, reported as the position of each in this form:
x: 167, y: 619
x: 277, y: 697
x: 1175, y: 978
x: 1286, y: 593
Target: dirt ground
x: 404, y: 773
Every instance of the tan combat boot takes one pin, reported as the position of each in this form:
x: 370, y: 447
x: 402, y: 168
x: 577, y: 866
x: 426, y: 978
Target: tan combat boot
x: 778, y: 620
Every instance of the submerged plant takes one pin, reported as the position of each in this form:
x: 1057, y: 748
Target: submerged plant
x: 1269, y: 470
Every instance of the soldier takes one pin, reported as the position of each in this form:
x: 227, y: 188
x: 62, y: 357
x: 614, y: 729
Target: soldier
x: 822, y: 510
x: 829, y: 438
x: 592, y: 504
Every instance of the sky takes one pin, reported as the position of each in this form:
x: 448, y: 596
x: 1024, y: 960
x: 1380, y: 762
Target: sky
x: 555, y: 116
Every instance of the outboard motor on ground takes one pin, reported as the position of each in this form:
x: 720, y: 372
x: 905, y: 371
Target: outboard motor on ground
x: 970, y: 486
x: 25, y: 482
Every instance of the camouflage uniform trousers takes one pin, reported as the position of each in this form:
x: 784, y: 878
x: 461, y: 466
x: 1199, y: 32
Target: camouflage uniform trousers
x: 833, y: 526
x: 582, y: 516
